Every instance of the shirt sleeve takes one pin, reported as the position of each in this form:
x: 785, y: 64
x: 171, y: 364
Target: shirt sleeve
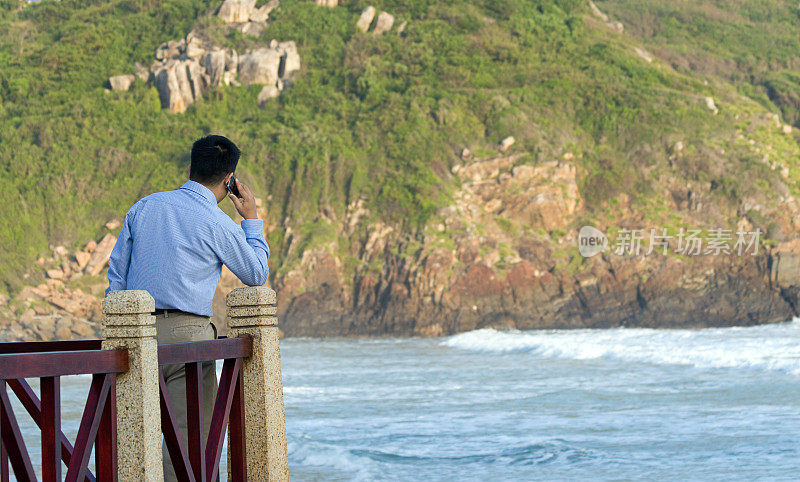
x: 246, y: 252
x: 120, y: 259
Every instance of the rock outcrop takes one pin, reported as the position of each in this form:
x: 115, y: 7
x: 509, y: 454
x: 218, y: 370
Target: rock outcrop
x: 67, y: 304
x: 383, y: 23
x: 236, y: 11
x: 544, y: 196
x: 269, y: 67
x: 243, y: 11
x: 506, y: 143
x: 267, y: 93
x: 711, y: 105
x: 183, y: 71
x: 100, y: 254
x: 121, y: 82
x: 180, y: 83
x: 290, y: 59
x: 365, y: 20
x: 259, y: 67
x: 613, y: 25
x: 644, y: 54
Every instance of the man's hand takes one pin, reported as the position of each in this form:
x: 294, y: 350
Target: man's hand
x: 246, y: 205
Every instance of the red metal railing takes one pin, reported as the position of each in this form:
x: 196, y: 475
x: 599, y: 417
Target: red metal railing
x: 194, y: 460
x: 197, y: 460
x: 49, y: 361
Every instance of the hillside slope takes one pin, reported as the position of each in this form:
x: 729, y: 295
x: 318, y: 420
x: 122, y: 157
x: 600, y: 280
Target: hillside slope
x: 380, y: 222
x: 753, y: 45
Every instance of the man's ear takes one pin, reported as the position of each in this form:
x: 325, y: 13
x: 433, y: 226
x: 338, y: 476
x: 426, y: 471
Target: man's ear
x: 189, y: 171
x: 227, y: 178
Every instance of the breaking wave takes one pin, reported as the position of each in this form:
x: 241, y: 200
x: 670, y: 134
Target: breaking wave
x: 774, y: 347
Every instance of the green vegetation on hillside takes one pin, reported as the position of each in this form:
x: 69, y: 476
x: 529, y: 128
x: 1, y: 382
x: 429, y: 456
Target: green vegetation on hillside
x: 375, y: 117
x: 752, y: 43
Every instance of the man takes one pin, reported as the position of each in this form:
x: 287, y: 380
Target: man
x: 173, y: 244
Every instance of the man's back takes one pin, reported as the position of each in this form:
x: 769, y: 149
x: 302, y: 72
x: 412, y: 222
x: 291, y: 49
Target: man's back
x: 173, y: 245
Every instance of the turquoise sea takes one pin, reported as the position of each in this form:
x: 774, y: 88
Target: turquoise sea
x: 619, y: 404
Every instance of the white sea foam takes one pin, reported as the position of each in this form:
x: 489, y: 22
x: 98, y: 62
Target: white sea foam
x: 309, y: 453
x: 767, y: 347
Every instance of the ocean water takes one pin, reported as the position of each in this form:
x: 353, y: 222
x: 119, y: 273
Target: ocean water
x: 616, y: 404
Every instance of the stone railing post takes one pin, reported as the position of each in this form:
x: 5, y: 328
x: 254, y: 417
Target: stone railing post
x: 252, y: 313
x: 129, y: 324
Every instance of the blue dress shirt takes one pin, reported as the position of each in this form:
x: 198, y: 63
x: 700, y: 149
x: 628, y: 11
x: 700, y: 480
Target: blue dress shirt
x: 173, y: 244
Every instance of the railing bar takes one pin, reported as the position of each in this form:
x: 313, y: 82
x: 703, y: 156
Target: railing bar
x: 28, y: 399
x: 3, y: 452
x: 12, y: 439
x: 32, y: 404
x: 3, y: 462
x: 53, y: 364
x: 236, y: 440
x: 106, y: 446
x: 222, y: 410
x: 172, y: 435
x: 90, y: 422
x: 46, y: 346
x: 51, y: 428
x: 207, y: 350
x: 194, y: 415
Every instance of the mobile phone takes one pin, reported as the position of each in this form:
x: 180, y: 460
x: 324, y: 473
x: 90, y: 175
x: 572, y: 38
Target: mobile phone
x: 231, y: 186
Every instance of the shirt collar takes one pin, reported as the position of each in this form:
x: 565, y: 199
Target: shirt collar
x: 195, y: 186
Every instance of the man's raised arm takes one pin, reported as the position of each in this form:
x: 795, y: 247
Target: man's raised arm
x: 246, y: 252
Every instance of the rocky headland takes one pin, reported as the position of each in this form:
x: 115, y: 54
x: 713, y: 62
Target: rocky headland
x: 476, y: 268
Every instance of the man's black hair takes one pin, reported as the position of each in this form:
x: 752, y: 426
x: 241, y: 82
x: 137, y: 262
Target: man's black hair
x: 213, y: 157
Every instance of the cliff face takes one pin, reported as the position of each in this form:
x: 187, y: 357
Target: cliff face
x: 470, y: 271
x: 503, y: 254
x: 486, y: 264
x: 613, y: 293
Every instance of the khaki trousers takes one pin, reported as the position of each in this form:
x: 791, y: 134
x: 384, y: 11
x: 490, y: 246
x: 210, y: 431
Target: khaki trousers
x: 178, y: 328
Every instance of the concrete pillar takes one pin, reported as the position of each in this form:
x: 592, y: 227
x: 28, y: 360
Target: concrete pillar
x: 130, y: 324
x: 251, y: 313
